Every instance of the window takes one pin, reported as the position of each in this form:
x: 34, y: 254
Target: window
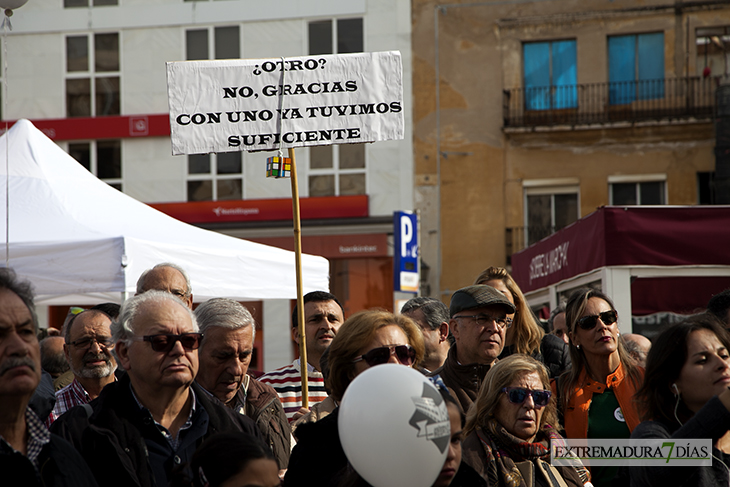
x: 92, y: 75
x: 336, y: 170
x: 550, y: 205
x: 706, y: 188
x: 637, y: 190
x: 214, y: 177
x: 713, y: 48
x: 85, y: 3
x: 550, y: 75
x: 635, y: 67
x: 103, y: 158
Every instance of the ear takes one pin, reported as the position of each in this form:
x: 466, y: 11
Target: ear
x: 295, y: 334
x: 122, y: 352
x: 454, y: 325
x: 66, y: 353
x: 189, y: 301
x: 443, y: 332
x: 573, y: 339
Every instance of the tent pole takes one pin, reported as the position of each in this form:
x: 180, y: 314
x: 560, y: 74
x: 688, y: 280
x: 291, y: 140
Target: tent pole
x: 300, y: 296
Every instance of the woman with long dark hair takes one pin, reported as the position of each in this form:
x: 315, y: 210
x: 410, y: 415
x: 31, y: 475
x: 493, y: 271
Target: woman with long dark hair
x: 685, y: 395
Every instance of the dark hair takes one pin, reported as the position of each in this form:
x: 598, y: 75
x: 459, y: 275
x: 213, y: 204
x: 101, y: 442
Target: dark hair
x: 23, y: 289
x: 315, y: 297
x: 574, y: 308
x: 664, y: 363
x: 434, y: 310
x: 52, y: 362
x: 224, y: 455
x: 111, y: 309
x: 719, y: 305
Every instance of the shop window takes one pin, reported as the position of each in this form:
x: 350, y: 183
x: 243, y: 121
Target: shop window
x: 92, y: 75
x: 214, y: 177
x: 103, y: 158
x: 635, y: 67
x: 550, y: 75
x: 336, y: 170
x: 646, y: 190
x: 548, y: 209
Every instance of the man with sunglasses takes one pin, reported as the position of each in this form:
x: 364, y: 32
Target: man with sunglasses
x: 88, y: 350
x: 151, y: 421
x: 479, y: 324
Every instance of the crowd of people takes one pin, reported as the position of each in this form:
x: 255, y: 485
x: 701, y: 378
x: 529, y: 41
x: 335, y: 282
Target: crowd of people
x: 158, y: 392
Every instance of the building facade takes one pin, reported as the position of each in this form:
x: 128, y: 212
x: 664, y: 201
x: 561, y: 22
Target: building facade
x: 92, y: 75
x: 531, y: 114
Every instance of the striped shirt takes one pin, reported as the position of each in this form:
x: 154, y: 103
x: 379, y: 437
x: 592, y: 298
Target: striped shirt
x: 287, y: 381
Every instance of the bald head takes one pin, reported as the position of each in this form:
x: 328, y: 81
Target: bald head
x: 167, y: 277
x: 638, y: 346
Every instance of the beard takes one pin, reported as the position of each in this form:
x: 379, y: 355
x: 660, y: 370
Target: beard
x: 97, y: 372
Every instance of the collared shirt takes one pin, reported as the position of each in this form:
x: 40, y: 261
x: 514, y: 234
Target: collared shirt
x: 174, y: 441
x: 287, y: 381
x: 38, y: 437
x: 70, y: 396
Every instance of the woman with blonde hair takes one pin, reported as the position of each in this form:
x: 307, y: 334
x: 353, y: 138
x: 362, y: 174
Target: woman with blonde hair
x: 366, y: 339
x: 510, y: 426
x: 525, y: 335
x: 597, y: 394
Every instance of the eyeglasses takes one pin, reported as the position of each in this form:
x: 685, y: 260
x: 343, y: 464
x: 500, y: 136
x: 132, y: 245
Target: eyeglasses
x: 165, y: 343
x: 607, y: 317
x: 484, y: 319
x: 404, y: 353
x: 517, y: 395
x: 85, y: 343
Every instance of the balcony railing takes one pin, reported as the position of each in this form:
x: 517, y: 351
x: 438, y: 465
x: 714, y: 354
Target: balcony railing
x: 600, y: 103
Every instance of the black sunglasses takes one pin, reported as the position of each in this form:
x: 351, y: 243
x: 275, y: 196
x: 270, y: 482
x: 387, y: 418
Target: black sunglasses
x: 607, y: 317
x: 404, y: 353
x: 165, y: 343
x: 517, y: 395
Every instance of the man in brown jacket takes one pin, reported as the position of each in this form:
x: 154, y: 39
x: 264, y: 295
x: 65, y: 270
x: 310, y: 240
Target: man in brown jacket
x: 225, y: 354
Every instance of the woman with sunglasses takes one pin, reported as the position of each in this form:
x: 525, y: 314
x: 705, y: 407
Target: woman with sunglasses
x: 525, y: 335
x: 510, y: 425
x: 596, y: 395
x: 685, y: 395
x: 366, y: 339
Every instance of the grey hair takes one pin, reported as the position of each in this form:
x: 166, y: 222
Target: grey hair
x: 67, y: 329
x: 122, y: 328
x: 22, y: 288
x: 555, y: 312
x: 140, y: 281
x: 434, y: 310
x: 225, y: 313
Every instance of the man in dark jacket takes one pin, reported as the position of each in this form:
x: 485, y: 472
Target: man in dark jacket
x: 29, y: 454
x: 225, y: 355
x: 147, y: 425
x: 479, y: 325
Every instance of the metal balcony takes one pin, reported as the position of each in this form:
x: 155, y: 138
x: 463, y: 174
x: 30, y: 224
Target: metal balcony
x: 670, y: 99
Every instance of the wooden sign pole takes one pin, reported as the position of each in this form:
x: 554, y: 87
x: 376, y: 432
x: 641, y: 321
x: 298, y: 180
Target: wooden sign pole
x: 300, y: 296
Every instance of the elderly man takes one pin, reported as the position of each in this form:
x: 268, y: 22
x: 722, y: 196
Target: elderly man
x: 479, y: 325
x: 432, y: 317
x: 167, y: 277
x: 149, y: 422
x: 225, y: 354
x: 638, y: 347
x: 25, y: 444
x: 88, y: 350
x: 323, y: 316
x: 557, y: 323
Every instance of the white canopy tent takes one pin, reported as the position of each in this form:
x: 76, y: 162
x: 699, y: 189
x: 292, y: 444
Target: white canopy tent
x: 80, y: 241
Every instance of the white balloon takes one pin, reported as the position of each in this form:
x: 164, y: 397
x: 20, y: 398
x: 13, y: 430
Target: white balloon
x: 12, y: 4
x: 394, y: 427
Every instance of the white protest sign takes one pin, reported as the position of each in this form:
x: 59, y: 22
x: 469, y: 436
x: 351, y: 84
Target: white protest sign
x: 254, y: 104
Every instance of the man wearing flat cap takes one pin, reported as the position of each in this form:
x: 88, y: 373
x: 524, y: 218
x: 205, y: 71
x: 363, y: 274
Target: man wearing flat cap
x: 479, y: 324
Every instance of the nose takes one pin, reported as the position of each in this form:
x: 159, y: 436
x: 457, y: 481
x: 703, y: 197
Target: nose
x: 177, y: 349
x: 95, y: 347
x: 393, y: 359
x: 16, y: 346
x: 723, y: 363
x: 236, y: 367
x: 529, y: 402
